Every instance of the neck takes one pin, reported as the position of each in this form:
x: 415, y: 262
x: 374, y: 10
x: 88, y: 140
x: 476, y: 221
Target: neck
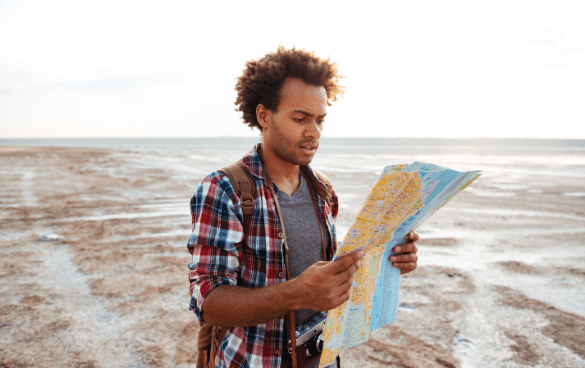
x: 282, y: 173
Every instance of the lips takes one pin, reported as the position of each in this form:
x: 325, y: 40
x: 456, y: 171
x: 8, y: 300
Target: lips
x: 309, y: 145
x: 309, y: 148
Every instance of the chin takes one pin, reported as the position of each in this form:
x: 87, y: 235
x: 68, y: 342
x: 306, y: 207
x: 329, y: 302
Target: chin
x: 304, y: 160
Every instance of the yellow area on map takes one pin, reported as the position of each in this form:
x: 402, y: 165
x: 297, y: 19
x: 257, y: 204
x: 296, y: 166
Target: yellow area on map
x: 393, y: 198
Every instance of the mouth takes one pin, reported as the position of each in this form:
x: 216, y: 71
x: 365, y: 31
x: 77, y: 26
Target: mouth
x: 309, y: 149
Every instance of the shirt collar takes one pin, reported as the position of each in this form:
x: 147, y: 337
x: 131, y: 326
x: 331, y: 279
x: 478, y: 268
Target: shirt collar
x: 253, y: 162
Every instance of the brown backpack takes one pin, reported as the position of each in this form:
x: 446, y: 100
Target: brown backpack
x: 210, y: 337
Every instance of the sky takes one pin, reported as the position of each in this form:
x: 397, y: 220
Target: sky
x: 457, y: 69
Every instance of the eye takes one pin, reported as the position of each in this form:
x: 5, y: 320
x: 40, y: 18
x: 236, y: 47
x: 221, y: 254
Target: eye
x: 320, y: 121
x: 299, y: 120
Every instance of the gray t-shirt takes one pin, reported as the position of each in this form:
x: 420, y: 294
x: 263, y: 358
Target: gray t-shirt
x: 303, y: 238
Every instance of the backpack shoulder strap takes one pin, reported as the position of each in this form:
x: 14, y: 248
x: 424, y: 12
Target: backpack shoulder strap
x: 210, y: 337
x: 245, y: 190
x: 209, y: 340
x: 325, y: 180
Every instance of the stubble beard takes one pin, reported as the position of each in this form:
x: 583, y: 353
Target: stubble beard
x: 281, y: 144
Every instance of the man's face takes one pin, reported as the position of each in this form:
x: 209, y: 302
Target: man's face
x: 295, y: 129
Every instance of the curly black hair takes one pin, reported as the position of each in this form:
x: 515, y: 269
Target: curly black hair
x: 262, y: 80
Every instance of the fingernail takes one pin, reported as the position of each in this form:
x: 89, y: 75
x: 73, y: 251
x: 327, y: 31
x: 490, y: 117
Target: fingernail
x: 360, y: 253
x: 397, y: 249
x: 359, y: 263
x: 393, y: 258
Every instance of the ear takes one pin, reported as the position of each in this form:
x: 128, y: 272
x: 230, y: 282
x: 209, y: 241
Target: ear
x: 263, y: 115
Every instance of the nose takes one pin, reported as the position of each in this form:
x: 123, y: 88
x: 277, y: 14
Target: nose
x: 314, y: 130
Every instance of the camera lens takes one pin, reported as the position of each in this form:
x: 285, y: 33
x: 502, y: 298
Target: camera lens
x: 319, y: 343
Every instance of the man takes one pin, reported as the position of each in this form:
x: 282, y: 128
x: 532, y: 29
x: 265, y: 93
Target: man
x: 248, y: 279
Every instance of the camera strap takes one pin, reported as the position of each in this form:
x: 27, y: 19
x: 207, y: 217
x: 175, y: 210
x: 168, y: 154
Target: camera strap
x: 299, y: 359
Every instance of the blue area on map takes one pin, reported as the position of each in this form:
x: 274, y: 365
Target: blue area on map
x: 385, y: 304
x: 387, y: 285
x: 445, y: 177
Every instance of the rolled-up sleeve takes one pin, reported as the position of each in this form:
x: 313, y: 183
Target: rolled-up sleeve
x: 216, y: 240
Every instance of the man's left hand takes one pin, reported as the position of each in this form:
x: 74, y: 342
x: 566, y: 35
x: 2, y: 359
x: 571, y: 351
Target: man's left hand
x: 407, y: 260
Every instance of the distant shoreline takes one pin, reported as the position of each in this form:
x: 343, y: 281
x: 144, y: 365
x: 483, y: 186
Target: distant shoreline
x: 217, y: 142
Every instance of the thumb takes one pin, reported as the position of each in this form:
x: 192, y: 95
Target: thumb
x: 344, y: 262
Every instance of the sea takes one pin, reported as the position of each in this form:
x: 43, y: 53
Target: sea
x: 436, y: 146
x: 550, y: 156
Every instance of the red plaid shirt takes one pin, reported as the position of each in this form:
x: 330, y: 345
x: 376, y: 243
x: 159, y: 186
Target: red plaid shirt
x: 224, y: 255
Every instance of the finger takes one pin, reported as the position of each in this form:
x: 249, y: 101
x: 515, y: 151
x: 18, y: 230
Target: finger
x: 344, y: 276
x: 321, y: 263
x: 405, y: 267
x: 345, y: 293
x: 344, y: 262
x: 349, y: 272
x: 410, y: 257
x: 343, y: 288
x: 343, y: 298
x: 406, y: 248
x: 413, y: 236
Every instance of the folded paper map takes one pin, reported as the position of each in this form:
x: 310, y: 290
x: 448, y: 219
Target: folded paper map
x: 401, y: 200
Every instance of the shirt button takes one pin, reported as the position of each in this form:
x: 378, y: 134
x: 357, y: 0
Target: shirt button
x: 277, y: 352
x: 280, y: 235
x: 281, y: 274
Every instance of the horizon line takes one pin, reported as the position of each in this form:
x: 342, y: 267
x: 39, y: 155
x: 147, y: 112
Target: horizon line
x: 329, y: 137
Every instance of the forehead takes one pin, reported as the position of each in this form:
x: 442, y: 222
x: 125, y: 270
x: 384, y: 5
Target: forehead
x: 296, y: 94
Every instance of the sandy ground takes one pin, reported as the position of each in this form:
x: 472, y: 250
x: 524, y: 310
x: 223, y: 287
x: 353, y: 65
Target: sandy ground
x: 500, y: 283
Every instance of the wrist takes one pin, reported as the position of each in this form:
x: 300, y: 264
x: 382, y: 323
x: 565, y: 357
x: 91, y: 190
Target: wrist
x: 293, y: 295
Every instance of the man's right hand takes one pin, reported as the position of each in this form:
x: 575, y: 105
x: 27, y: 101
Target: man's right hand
x: 322, y: 286
x: 326, y: 285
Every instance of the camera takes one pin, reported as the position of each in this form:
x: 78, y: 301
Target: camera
x: 308, y: 336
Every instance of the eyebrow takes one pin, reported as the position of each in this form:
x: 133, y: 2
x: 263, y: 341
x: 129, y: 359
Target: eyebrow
x: 308, y: 113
